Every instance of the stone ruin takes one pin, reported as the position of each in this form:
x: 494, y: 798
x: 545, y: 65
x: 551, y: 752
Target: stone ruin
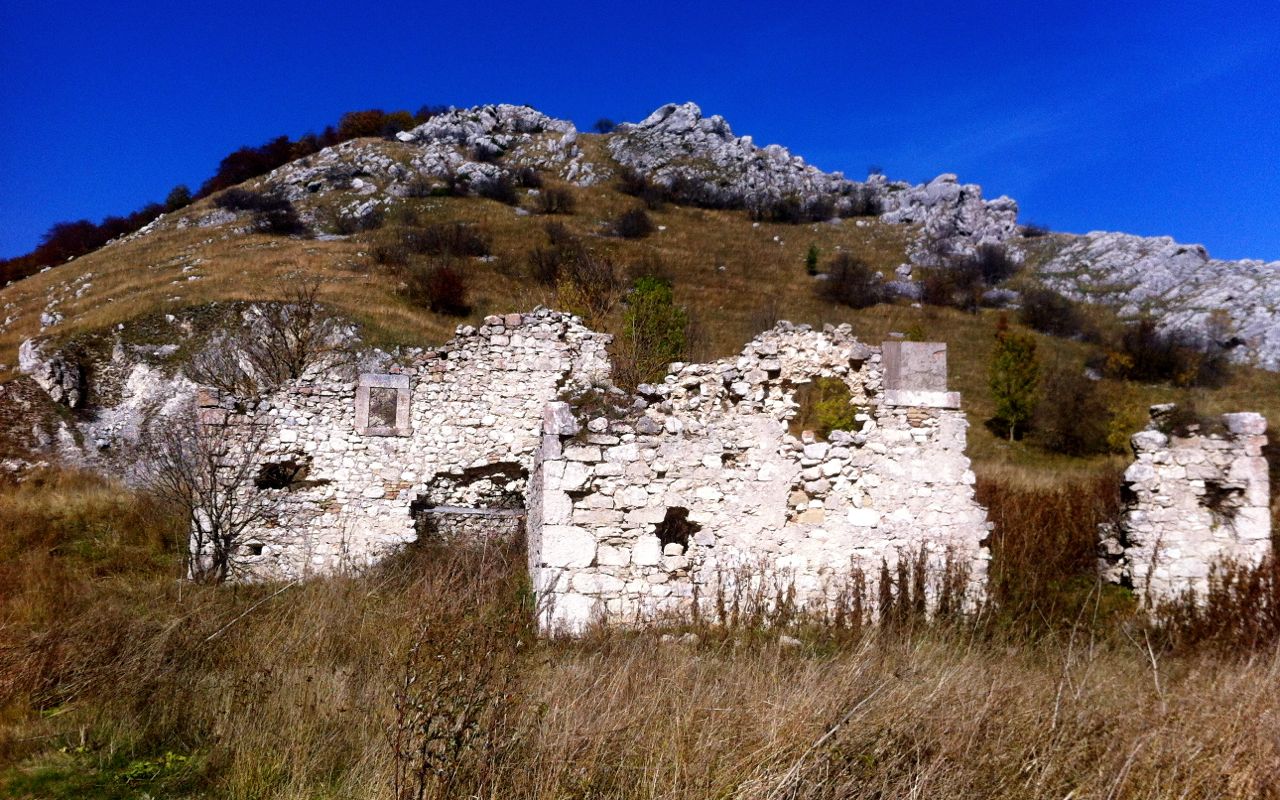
x: 644, y: 508
x: 1197, y: 495
x: 363, y: 463
x: 699, y: 492
x: 711, y: 484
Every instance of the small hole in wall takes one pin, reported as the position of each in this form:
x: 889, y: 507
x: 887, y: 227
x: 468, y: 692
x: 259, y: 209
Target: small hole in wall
x: 1222, y: 501
x: 254, y: 548
x: 282, y: 474
x: 676, y: 528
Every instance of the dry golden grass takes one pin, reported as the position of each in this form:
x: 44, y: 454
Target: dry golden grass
x: 272, y: 692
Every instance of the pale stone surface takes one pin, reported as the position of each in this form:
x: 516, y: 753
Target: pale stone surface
x: 1192, y: 502
x: 915, y: 366
x: 767, y: 506
x: 1228, y: 304
x: 480, y: 401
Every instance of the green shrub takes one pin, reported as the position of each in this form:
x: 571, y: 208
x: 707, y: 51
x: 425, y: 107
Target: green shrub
x: 1072, y: 416
x: 1142, y: 352
x: 653, y: 332
x: 824, y: 405
x: 1014, y: 378
x: 1047, y: 311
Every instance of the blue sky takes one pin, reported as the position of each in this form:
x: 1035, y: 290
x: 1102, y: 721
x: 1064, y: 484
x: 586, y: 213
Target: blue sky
x: 1153, y: 118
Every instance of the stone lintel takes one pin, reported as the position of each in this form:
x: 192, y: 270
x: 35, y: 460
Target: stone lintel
x: 920, y: 399
x: 914, y: 366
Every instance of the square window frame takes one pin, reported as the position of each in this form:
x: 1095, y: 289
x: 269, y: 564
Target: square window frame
x: 372, y: 380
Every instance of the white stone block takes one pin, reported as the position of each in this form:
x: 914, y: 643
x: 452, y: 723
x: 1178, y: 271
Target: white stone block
x: 612, y: 556
x: 647, y: 515
x: 557, y: 508
x: 633, y: 497
x: 647, y: 552
x: 864, y: 517
x: 567, y: 546
x: 575, y: 476
x: 1246, y: 423
x: 571, y: 613
x: 582, y: 453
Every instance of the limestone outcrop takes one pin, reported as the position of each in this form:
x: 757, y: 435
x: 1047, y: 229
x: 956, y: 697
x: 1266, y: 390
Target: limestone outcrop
x: 676, y: 144
x: 1230, y: 304
x: 61, y: 377
x: 476, y: 147
x: 954, y: 215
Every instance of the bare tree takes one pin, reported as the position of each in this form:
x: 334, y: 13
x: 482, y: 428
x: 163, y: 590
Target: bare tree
x: 280, y: 344
x: 205, y: 469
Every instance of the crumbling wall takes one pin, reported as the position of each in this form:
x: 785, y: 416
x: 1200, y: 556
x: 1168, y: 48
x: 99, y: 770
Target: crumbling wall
x: 365, y: 448
x: 1196, y: 495
x: 694, y: 491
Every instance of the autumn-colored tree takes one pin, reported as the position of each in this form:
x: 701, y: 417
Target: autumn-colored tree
x: 355, y: 124
x: 1015, y: 377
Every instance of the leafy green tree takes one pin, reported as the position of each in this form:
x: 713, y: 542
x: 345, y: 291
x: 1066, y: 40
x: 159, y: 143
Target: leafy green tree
x: 654, y: 331
x: 1015, y: 377
x: 811, y: 260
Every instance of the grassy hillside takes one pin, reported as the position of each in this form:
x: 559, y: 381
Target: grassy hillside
x: 735, y: 275
x: 118, y: 679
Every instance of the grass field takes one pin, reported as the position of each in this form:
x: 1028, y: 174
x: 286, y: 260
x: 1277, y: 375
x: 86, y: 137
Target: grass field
x: 120, y: 681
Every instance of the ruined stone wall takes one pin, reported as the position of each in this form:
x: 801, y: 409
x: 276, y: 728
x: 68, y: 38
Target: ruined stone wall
x: 352, y: 452
x: 1193, y: 497
x: 695, y: 490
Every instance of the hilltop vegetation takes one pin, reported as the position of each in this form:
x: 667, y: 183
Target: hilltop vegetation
x: 71, y: 239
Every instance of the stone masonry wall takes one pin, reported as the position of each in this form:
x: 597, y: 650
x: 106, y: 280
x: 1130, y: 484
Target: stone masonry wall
x: 362, y: 449
x: 695, y: 488
x: 1191, y: 500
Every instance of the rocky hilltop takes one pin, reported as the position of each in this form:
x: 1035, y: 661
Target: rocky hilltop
x: 702, y: 162
x: 698, y: 160
x: 1231, y: 304
x: 677, y: 146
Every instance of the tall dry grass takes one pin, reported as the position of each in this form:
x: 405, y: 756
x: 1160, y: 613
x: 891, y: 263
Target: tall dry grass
x: 424, y: 674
